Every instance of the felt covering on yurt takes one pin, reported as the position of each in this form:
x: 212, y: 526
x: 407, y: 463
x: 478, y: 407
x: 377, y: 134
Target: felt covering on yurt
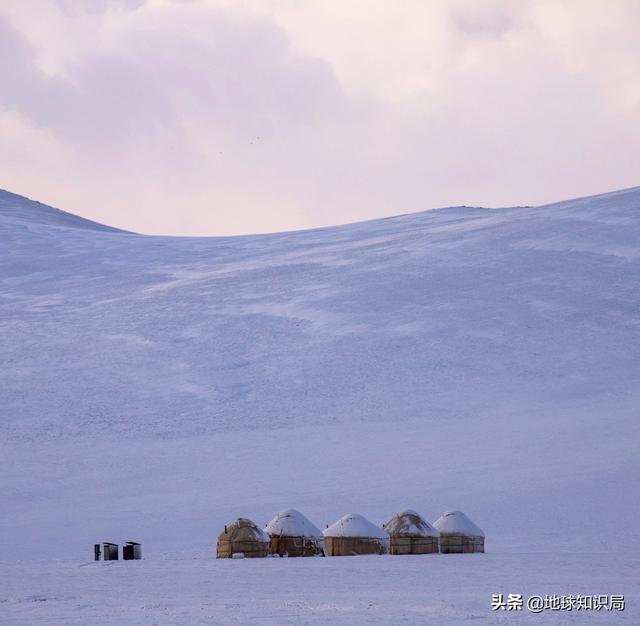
x: 292, y: 534
x: 243, y: 537
x: 352, y: 534
x: 411, y: 534
x: 458, y: 533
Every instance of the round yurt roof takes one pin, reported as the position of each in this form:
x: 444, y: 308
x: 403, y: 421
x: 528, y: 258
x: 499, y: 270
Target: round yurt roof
x: 292, y: 523
x: 457, y: 523
x: 410, y: 524
x: 244, y: 529
x: 354, y: 525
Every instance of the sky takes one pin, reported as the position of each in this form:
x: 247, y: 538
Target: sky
x: 218, y: 117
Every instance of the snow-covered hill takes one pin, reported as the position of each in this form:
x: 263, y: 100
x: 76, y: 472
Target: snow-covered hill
x: 465, y: 358
x: 440, y: 315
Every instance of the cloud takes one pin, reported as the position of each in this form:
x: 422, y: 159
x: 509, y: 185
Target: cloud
x: 179, y: 109
x: 96, y: 7
x: 101, y: 92
x: 99, y: 7
x: 214, y: 117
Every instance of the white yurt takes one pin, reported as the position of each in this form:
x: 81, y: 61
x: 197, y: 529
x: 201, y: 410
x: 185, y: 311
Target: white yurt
x: 242, y: 538
x: 458, y: 533
x: 354, y: 535
x: 292, y: 534
x: 410, y: 533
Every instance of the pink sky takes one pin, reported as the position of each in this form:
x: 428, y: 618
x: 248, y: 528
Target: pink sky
x: 241, y: 116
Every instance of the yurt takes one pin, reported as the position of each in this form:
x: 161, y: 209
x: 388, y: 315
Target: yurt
x: 354, y: 535
x: 409, y: 533
x: 243, y: 537
x: 292, y: 534
x: 458, y: 533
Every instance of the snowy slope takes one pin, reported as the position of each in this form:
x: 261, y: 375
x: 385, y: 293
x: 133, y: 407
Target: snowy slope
x: 29, y: 213
x: 440, y: 315
x: 156, y: 388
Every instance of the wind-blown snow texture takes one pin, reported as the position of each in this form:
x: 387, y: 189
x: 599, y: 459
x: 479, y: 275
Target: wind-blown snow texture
x: 154, y: 388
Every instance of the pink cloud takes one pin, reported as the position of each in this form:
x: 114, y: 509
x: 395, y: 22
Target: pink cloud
x: 193, y: 118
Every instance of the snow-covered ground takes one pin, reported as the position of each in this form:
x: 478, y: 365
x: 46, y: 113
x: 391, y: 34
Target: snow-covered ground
x: 156, y: 388
x: 436, y: 589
